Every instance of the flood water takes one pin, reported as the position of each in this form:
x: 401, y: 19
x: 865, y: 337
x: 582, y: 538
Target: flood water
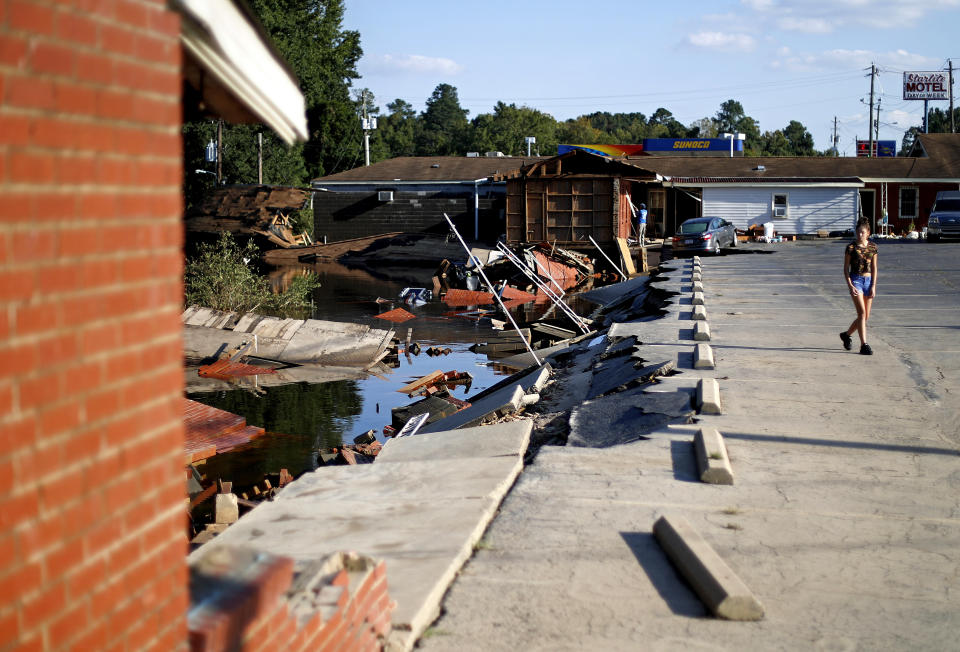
x: 302, y: 418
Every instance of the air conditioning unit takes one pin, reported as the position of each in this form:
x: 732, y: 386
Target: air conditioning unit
x: 385, y: 195
x: 473, y: 154
x: 493, y: 154
x: 780, y: 211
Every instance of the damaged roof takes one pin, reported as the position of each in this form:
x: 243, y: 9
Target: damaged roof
x: 430, y: 168
x: 941, y: 162
x: 254, y: 203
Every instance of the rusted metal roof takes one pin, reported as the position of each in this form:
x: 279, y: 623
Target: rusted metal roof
x: 397, y: 315
x: 210, y: 431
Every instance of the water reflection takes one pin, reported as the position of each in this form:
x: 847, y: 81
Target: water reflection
x: 314, y: 416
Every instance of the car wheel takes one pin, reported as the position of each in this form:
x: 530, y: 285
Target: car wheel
x: 733, y: 243
x: 716, y: 248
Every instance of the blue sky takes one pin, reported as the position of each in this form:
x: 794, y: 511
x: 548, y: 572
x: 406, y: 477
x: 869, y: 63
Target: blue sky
x: 804, y: 60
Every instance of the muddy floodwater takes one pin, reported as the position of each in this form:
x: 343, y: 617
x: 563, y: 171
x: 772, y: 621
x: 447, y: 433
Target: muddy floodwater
x: 302, y: 418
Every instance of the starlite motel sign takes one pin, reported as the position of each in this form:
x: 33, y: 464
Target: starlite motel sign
x: 925, y: 86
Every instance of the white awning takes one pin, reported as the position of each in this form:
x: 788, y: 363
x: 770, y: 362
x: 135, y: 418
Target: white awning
x: 237, y: 72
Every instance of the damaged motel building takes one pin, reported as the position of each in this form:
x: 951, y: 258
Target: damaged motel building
x: 566, y: 198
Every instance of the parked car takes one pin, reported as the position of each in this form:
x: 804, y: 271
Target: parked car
x: 705, y: 234
x: 944, y: 219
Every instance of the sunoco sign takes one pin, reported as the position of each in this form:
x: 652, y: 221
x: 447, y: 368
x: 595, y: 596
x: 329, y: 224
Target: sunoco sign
x: 925, y: 86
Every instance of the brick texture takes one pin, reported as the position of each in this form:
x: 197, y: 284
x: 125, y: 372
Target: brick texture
x: 92, y: 532
x: 345, y: 215
x: 248, y: 606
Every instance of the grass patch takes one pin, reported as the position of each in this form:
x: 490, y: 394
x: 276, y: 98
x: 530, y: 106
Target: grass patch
x: 221, y: 277
x: 733, y: 526
x: 431, y: 632
x: 731, y: 511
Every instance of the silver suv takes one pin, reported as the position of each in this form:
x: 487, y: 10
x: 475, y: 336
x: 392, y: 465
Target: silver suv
x: 944, y: 219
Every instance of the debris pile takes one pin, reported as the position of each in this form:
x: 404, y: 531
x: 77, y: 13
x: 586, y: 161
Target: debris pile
x: 257, y: 210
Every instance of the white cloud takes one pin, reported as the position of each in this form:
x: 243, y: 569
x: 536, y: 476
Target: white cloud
x: 722, y: 41
x: 851, y: 59
x: 902, y: 119
x: 806, y: 25
x: 825, y: 16
x: 414, y: 64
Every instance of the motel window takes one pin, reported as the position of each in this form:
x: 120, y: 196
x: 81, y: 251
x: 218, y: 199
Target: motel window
x: 780, y: 205
x: 908, y: 203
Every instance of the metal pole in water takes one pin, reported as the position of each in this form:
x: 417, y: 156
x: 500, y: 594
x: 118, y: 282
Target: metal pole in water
x: 623, y: 276
x: 496, y: 296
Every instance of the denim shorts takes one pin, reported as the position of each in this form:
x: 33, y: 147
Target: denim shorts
x: 862, y: 283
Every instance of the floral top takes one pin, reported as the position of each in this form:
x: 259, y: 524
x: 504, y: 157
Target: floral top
x: 861, y: 258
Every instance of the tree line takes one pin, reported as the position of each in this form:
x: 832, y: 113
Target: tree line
x: 309, y: 34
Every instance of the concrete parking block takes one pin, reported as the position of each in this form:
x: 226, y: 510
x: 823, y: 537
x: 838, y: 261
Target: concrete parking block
x: 697, y: 276
x: 714, y: 582
x: 713, y: 463
x: 696, y: 260
x: 708, y: 396
x: 700, y: 313
x: 703, y: 357
x: 697, y: 286
x: 701, y: 332
x: 698, y: 298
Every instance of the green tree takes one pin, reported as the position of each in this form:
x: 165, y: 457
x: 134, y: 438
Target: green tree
x: 396, y: 130
x: 940, y: 120
x: 579, y: 131
x: 507, y: 127
x: 443, y: 124
x: 704, y: 128
x: 909, y: 138
x: 309, y: 35
x: 282, y: 164
x: 663, y: 125
x: 774, y: 143
x: 801, y: 141
x: 731, y: 118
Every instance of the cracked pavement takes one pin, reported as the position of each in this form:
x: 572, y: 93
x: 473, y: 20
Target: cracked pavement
x: 845, y: 516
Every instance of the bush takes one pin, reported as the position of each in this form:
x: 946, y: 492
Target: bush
x: 220, y: 276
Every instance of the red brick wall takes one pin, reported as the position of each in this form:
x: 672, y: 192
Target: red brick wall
x: 92, y: 541
x: 254, y: 611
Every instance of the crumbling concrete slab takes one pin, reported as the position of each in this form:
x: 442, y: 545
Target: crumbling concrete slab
x: 626, y: 417
x: 495, y: 440
x: 616, y: 373
x: 506, y: 401
x: 421, y: 517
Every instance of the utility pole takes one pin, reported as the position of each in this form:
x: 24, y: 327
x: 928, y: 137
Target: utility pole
x: 368, y: 123
x: 219, y: 152
x: 873, y: 72
x: 836, y: 147
x: 877, y: 126
x: 953, y: 128
x: 260, y: 158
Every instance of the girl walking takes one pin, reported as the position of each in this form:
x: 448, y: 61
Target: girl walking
x: 860, y: 270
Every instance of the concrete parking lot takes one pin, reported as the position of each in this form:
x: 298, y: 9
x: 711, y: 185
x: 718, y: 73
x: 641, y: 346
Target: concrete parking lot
x: 845, y: 516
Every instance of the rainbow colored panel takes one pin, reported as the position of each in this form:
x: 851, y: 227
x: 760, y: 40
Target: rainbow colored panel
x: 603, y: 150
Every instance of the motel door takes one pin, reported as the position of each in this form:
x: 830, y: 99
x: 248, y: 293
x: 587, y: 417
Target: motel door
x: 656, y: 213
